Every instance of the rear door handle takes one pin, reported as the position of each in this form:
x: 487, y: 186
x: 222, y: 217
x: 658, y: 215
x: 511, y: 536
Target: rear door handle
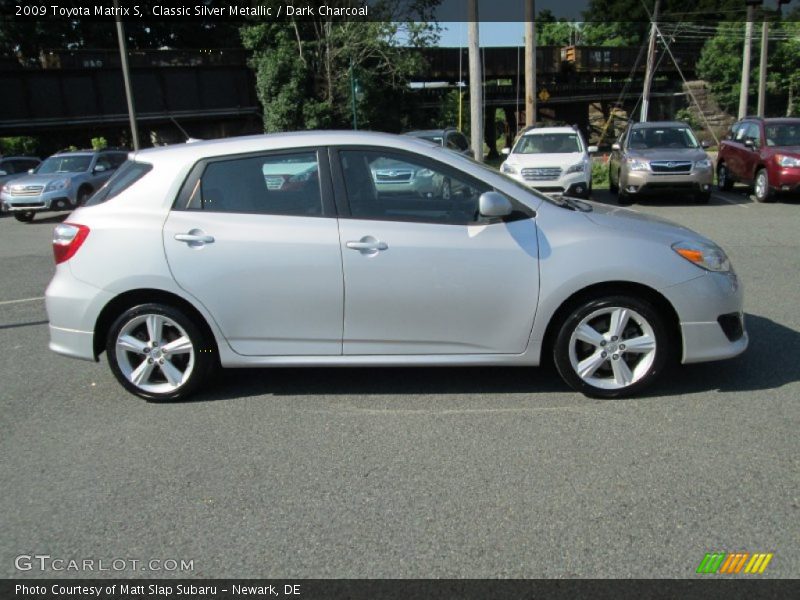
x: 368, y: 246
x: 195, y: 237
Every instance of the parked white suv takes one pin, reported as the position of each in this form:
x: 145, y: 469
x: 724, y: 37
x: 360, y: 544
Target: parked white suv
x: 553, y: 160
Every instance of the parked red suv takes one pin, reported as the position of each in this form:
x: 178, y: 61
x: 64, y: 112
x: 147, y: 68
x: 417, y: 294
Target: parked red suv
x: 764, y: 153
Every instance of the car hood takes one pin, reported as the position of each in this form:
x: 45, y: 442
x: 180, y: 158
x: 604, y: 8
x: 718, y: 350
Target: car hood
x: 790, y: 150
x: 37, y: 179
x: 668, y: 154
x: 563, y: 160
x: 628, y: 220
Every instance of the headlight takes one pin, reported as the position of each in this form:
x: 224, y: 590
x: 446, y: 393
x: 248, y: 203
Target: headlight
x: 787, y: 161
x: 576, y: 168
x: 706, y: 256
x: 58, y: 184
x: 703, y: 164
x: 634, y: 164
x: 507, y: 168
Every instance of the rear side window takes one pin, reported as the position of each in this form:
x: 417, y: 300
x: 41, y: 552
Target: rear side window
x: 277, y: 184
x: 128, y: 174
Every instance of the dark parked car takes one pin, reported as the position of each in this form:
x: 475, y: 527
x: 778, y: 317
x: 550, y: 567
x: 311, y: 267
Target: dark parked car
x: 764, y: 153
x: 449, y: 137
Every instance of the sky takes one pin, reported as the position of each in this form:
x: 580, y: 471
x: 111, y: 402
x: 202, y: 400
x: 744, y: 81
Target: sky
x: 491, y: 34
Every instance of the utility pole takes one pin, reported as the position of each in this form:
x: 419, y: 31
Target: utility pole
x: 651, y: 62
x: 475, y: 82
x: 530, y: 62
x: 748, y: 37
x: 762, y: 69
x: 126, y: 76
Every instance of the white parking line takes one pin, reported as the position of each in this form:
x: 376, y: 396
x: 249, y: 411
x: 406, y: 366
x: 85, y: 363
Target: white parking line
x: 22, y: 300
x: 724, y: 199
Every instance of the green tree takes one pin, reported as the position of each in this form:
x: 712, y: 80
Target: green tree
x: 303, y: 69
x: 720, y: 65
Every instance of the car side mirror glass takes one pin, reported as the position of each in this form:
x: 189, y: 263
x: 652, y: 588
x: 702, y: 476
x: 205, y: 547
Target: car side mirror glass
x: 505, y: 151
x: 750, y: 144
x: 99, y: 169
x: 705, y: 144
x: 616, y: 147
x: 494, y: 204
x: 592, y: 149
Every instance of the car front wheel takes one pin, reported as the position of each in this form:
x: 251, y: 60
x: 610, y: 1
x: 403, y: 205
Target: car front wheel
x: 158, y: 353
x: 724, y: 182
x: 611, y: 347
x: 761, y: 188
x: 24, y: 216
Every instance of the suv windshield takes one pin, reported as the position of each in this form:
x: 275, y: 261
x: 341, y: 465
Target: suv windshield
x: 65, y: 164
x: 662, y: 137
x: 548, y: 143
x: 783, y: 134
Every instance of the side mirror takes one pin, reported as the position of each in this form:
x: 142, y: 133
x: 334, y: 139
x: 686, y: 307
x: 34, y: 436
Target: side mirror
x: 705, y: 144
x: 493, y: 204
x: 505, y: 151
x: 592, y: 149
x: 99, y: 169
x: 30, y: 171
x: 750, y: 144
x: 616, y: 147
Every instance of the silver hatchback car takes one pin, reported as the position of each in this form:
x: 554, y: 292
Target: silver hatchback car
x: 196, y: 256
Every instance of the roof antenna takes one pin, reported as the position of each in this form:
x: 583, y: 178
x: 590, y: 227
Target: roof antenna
x: 189, y: 139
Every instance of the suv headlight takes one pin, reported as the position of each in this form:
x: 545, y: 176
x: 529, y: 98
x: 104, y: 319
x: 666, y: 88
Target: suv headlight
x: 787, y: 161
x: 507, y: 168
x: 57, y: 184
x: 576, y: 168
x: 634, y: 164
x: 703, y: 164
x: 706, y: 256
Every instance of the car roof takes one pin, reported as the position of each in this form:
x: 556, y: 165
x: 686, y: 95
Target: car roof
x: 657, y: 124
x: 555, y: 129
x: 278, y: 141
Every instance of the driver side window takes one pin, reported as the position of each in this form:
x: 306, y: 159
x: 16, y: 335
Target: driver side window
x: 397, y: 187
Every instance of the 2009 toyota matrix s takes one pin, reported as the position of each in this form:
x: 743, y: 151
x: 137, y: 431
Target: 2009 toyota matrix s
x: 280, y: 250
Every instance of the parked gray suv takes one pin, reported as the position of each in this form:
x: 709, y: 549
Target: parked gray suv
x: 62, y: 182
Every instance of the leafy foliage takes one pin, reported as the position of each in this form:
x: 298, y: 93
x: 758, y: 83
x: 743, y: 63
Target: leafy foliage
x: 305, y: 70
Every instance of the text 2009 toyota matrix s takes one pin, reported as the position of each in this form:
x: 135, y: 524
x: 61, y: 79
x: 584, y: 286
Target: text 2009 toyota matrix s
x: 280, y: 250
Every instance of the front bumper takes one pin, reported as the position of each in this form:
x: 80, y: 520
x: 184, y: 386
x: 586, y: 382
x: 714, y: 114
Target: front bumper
x: 786, y: 180
x: 573, y: 184
x: 54, y: 200
x: 711, y: 314
x: 647, y: 182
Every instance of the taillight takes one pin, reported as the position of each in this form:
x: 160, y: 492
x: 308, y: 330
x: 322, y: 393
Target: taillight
x: 67, y: 239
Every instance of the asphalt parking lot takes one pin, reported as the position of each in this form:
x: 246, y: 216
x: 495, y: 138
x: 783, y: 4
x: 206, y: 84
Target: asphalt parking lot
x: 406, y: 473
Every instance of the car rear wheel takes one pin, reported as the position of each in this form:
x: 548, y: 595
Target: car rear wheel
x: 158, y: 353
x: 761, y: 189
x: 25, y: 216
x: 611, y: 347
x: 724, y: 181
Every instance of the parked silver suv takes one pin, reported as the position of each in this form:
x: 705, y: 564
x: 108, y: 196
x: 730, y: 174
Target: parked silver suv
x: 195, y: 256
x: 61, y: 182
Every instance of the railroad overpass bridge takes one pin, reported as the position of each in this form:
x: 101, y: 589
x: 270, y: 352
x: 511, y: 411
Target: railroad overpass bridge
x: 212, y: 93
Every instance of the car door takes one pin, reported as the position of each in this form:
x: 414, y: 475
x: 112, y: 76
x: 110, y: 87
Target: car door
x: 737, y: 158
x: 254, y: 239
x: 751, y: 154
x: 424, y: 273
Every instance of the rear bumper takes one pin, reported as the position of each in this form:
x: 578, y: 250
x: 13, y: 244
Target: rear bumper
x: 72, y: 343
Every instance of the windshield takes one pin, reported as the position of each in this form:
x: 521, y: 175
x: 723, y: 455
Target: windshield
x: 784, y: 134
x: 662, y: 137
x: 548, y: 143
x: 65, y: 164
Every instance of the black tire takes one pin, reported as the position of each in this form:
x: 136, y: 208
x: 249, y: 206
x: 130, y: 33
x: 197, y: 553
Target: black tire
x: 724, y: 181
x: 702, y: 197
x: 612, y: 187
x: 762, y: 193
x: 200, y: 361
x: 83, y: 195
x: 25, y: 216
x: 624, y: 198
x: 654, y: 362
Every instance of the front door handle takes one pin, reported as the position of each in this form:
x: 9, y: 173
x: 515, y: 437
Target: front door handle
x: 195, y: 237
x: 368, y: 245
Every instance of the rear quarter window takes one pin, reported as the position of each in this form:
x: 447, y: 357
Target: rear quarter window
x: 129, y: 173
